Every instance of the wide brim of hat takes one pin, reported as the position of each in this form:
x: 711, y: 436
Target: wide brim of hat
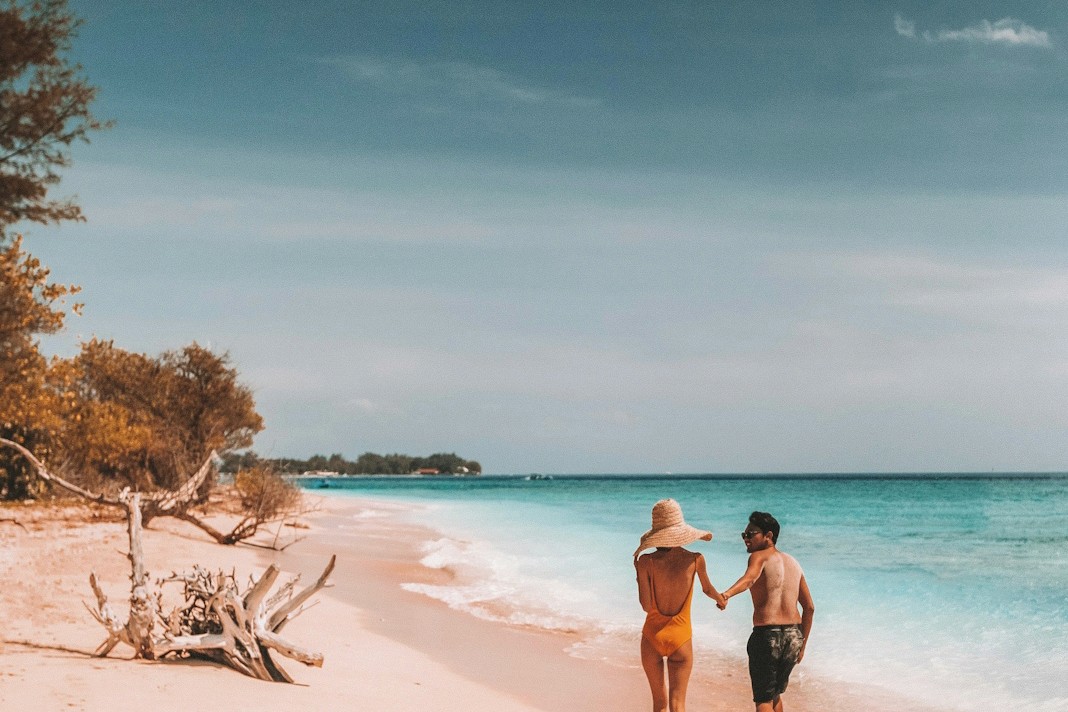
x: 676, y: 535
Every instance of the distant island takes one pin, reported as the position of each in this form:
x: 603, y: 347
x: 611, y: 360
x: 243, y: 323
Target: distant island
x: 369, y: 463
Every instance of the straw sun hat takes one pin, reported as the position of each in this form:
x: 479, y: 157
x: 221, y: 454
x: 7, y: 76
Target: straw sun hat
x: 669, y: 528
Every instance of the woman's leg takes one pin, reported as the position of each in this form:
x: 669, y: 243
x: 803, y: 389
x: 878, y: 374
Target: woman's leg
x: 653, y: 664
x: 679, y: 665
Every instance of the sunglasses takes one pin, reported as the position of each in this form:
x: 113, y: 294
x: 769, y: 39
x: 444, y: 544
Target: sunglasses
x: 747, y: 535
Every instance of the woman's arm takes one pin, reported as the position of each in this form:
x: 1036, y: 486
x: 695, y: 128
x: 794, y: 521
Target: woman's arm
x: 645, y: 597
x: 706, y: 585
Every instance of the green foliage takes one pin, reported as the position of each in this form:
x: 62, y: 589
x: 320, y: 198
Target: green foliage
x: 44, y: 108
x: 368, y: 463
x: 234, y: 461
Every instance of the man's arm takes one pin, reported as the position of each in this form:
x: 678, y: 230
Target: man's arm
x: 808, y: 610
x: 752, y: 573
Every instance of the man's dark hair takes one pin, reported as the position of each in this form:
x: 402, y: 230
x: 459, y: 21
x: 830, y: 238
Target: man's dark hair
x: 766, y: 523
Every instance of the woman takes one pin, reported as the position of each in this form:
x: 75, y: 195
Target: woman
x: 665, y: 590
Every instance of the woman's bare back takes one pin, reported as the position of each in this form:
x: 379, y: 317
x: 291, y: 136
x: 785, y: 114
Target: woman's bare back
x: 671, y: 572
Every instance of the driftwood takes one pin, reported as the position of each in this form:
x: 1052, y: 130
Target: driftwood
x: 137, y: 630
x: 217, y: 621
x: 239, y: 629
x: 151, y: 505
x: 175, y: 503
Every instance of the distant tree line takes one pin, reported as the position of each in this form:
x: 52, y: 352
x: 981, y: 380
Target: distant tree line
x: 369, y: 463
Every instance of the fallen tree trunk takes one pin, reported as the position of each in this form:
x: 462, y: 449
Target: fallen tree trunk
x: 44, y: 474
x: 154, y: 504
x: 175, y: 503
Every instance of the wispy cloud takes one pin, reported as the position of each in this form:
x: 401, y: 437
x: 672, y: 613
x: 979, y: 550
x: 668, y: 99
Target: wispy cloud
x: 1006, y: 31
x: 369, y: 407
x: 905, y: 28
x: 970, y: 291
x: 456, y: 79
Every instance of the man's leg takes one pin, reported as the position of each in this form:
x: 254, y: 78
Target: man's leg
x: 773, y: 706
x: 790, y: 649
x: 762, y: 671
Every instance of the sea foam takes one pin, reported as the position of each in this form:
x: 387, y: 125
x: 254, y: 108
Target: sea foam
x: 494, y: 585
x: 946, y: 591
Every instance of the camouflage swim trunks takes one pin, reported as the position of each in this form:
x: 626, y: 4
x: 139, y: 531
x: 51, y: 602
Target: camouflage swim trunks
x: 773, y: 651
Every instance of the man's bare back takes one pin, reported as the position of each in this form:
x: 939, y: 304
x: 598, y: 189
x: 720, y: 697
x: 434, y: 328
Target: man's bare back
x: 776, y: 590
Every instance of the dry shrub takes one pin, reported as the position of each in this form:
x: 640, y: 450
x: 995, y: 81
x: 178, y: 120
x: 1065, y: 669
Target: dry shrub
x: 265, y: 495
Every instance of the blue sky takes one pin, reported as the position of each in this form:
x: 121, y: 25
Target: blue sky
x: 572, y: 237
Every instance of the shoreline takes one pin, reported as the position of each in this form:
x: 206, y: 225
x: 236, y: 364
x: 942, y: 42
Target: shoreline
x: 384, y: 647
x: 607, y: 680
x: 47, y: 637
x: 378, y: 553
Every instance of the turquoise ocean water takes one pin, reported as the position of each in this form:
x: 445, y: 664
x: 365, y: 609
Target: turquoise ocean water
x: 950, y: 590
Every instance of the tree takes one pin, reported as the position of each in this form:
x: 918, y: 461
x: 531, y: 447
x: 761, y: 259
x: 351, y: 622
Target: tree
x: 337, y: 463
x: 132, y: 419
x: 317, y: 463
x: 444, y: 462
x: 30, y: 305
x: 44, y: 108
x: 107, y: 417
x: 233, y: 462
x: 371, y: 463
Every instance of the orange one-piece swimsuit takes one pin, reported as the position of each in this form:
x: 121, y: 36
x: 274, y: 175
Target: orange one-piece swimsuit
x: 668, y: 633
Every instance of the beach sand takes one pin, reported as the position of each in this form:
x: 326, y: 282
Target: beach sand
x: 385, y: 648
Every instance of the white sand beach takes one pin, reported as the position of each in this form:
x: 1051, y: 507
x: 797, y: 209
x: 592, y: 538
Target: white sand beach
x: 385, y: 648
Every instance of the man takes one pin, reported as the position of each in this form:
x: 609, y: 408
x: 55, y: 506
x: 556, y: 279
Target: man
x: 780, y: 633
